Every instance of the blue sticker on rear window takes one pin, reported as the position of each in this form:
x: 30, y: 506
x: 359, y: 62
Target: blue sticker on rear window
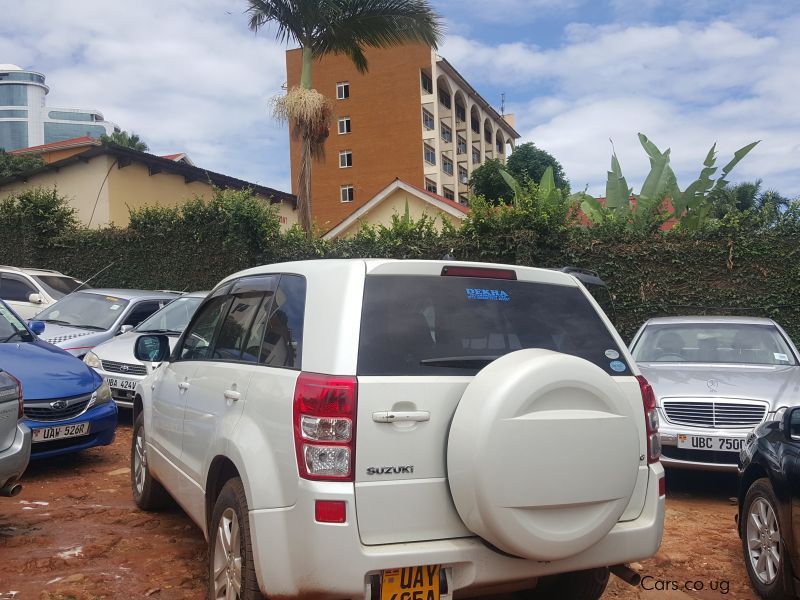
x: 482, y: 294
x: 617, y: 365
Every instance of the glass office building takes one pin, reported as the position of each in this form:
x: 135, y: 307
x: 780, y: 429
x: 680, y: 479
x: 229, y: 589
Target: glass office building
x: 26, y: 120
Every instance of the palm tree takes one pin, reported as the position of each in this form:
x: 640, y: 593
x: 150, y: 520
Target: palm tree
x: 748, y: 195
x: 128, y: 140
x: 322, y: 27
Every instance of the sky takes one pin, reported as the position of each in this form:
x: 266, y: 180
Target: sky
x: 579, y: 75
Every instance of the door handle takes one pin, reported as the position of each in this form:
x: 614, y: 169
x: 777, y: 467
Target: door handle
x: 396, y: 416
x: 232, y: 395
x: 183, y: 385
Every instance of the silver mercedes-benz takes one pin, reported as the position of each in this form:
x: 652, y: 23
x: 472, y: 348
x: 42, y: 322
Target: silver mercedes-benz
x: 715, y: 379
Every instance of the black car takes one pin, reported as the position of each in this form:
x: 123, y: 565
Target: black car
x: 769, y: 506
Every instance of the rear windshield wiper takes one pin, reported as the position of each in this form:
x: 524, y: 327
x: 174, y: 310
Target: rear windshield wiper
x: 459, y: 362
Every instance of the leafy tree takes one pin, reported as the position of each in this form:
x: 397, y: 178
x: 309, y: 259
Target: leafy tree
x: 323, y: 27
x: 14, y: 164
x: 128, y: 140
x: 529, y: 161
x: 487, y: 181
x: 749, y: 195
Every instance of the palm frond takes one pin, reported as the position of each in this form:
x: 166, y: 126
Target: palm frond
x: 353, y: 25
x: 286, y: 15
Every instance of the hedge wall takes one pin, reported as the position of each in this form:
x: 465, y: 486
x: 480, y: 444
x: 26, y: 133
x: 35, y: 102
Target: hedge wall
x: 192, y: 247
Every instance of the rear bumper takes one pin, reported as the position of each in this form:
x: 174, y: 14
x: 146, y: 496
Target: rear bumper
x: 14, y: 459
x: 296, y: 556
x: 103, y: 427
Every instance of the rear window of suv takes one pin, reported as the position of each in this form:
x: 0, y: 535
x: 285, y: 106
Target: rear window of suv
x: 433, y: 325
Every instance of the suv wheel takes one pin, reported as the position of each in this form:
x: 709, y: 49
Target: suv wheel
x: 767, y: 564
x: 580, y: 585
x: 148, y: 494
x: 230, y: 555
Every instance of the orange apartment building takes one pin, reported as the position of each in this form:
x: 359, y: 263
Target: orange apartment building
x: 412, y: 117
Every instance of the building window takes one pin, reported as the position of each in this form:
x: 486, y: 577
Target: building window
x: 463, y: 176
x: 463, y: 199
x: 427, y: 82
x: 57, y: 132
x: 461, y: 113
x: 13, y: 135
x: 342, y: 90
x: 476, y: 125
x: 476, y: 155
x: 430, y: 154
x: 64, y: 115
x: 461, y: 145
x: 499, y: 147
x: 448, y: 193
x: 13, y: 95
x: 444, y: 98
x: 427, y: 119
x: 344, y: 125
x: 430, y: 185
x: 345, y: 159
x: 447, y: 133
x: 346, y: 193
x: 12, y: 113
x: 447, y: 165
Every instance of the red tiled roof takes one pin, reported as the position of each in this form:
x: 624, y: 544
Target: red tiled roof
x: 172, y: 156
x: 79, y: 141
x: 453, y: 203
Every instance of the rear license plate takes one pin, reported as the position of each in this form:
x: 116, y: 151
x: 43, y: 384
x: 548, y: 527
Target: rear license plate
x: 411, y: 583
x: 121, y: 384
x: 709, y: 442
x: 46, y: 434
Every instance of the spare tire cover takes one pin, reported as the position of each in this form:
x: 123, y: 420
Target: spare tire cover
x: 543, y: 454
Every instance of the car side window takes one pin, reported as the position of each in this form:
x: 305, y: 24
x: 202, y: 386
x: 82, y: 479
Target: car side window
x: 794, y: 424
x: 236, y: 327
x: 141, y: 311
x: 15, y: 289
x: 196, y: 344
x: 282, y: 345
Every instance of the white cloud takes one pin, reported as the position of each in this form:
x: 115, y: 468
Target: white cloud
x: 685, y: 85
x: 185, y: 75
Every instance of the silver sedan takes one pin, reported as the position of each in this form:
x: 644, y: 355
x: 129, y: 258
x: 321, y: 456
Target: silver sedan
x: 715, y: 379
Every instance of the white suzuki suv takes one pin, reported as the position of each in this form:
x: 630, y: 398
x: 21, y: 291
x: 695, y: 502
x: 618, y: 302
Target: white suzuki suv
x: 402, y: 430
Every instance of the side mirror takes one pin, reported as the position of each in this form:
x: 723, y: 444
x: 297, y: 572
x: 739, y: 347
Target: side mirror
x: 152, y: 348
x: 35, y: 298
x: 125, y: 328
x: 36, y: 327
x: 791, y: 423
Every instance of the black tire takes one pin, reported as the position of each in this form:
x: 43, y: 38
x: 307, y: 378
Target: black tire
x: 782, y: 586
x: 150, y: 495
x: 231, y: 502
x: 578, y: 585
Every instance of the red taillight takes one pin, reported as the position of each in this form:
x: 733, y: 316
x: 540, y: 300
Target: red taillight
x: 486, y: 272
x: 325, y: 426
x: 330, y: 511
x: 662, y: 486
x: 650, y: 420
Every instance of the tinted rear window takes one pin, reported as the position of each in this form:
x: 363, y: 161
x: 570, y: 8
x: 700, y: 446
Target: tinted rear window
x: 420, y: 325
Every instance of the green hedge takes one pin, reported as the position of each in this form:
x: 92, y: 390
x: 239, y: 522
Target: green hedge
x: 194, y: 246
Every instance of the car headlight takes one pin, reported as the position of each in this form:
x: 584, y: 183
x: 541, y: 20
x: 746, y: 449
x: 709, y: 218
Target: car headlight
x: 101, y: 395
x: 92, y: 360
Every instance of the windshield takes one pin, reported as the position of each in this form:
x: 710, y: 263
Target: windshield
x: 85, y: 310
x: 59, y: 286
x: 423, y: 325
x: 713, y: 343
x: 173, y: 318
x: 11, y: 328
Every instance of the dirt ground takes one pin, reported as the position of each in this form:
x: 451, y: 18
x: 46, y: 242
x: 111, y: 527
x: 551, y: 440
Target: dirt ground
x: 75, y: 534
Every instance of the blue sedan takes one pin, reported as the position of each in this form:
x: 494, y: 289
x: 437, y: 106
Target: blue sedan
x: 67, y: 406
